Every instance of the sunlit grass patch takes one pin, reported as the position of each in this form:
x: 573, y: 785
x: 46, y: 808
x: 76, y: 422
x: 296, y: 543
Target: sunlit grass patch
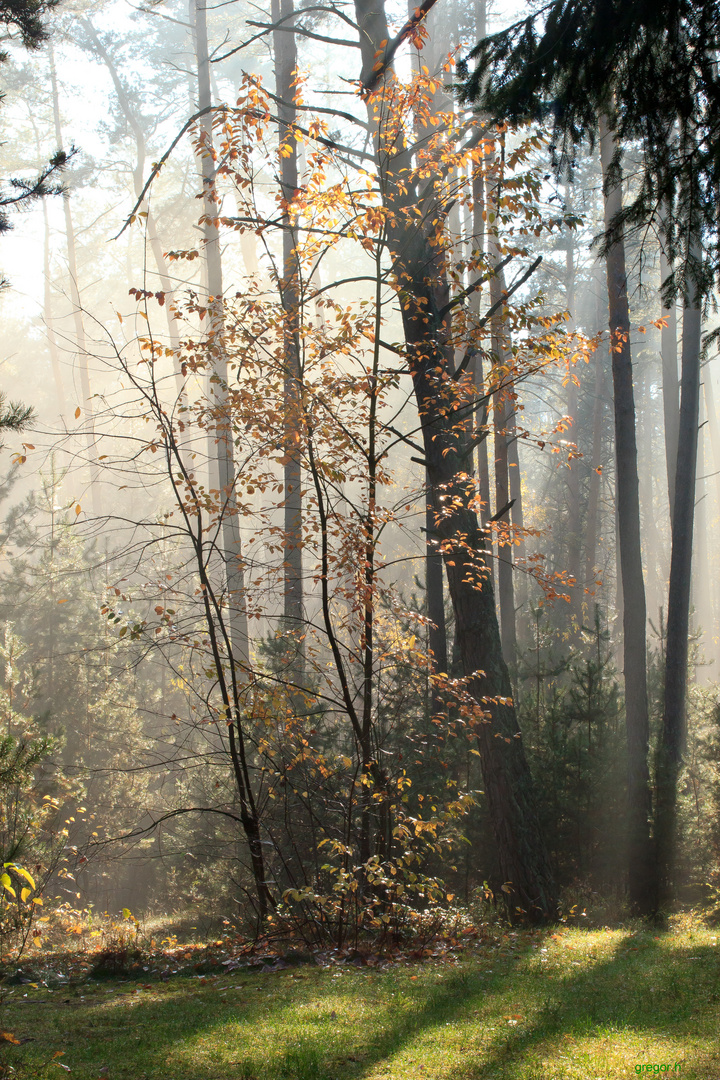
x: 568, y: 1003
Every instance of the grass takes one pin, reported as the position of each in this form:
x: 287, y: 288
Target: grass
x: 525, y: 1006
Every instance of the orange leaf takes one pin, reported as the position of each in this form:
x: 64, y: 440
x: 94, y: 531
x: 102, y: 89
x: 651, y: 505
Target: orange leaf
x: 77, y: 412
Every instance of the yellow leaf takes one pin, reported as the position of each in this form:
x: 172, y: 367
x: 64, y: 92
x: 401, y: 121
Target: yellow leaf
x: 77, y: 412
x: 78, y: 509
x: 25, y: 874
x: 24, y: 893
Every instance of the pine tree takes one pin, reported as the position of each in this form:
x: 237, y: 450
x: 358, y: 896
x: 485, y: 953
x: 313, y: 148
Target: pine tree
x: 24, y: 19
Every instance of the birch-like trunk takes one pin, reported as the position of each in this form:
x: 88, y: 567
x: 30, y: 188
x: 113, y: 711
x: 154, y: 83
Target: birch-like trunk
x: 503, y: 406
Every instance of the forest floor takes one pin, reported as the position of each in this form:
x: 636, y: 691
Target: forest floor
x: 540, y: 1005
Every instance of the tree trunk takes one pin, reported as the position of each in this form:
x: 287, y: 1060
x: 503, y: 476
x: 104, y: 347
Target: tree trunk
x: 674, y: 727
x: 83, y: 356
x: 574, y: 534
x: 714, y: 469
x: 236, y: 636
x: 593, y: 515
x: 478, y: 376
x: 417, y: 263
x: 670, y: 385
x: 701, y: 599
x: 434, y: 593
x: 628, y: 509
x: 518, y: 520
x: 285, y: 64
x: 503, y: 405
x: 49, y: 318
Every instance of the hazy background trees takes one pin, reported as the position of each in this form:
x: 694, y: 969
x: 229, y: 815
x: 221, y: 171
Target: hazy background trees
x: 218, y: 550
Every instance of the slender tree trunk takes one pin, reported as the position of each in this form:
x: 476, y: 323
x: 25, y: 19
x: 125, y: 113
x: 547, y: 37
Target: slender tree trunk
x: 655, y: 589
x: 478, y: 377
x: 83, y: 355
x: 674, y: 728
x: 628, y: 509
x: 574, y: 537
x: 593, y: 515
x: 670, y: 384
x: 518, y: 520
x: 479, y: 231
x: 237, y: 642
x: 285, y: 64
x: 434, y: 573
x: 417, y: 262
x: 714, y: 468
x: 434, y: 593
x: 503, y: 405
x: 714, y: 429
x: 49, y: 317
x: 701, y: 593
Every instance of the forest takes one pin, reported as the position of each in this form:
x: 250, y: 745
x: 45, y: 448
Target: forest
x: 360, y: 484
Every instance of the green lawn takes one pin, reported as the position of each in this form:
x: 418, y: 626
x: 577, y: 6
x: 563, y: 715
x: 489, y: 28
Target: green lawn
x: 535, y: 1006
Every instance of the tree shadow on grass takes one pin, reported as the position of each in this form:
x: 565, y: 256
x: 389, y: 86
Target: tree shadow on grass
x: 641, y: 988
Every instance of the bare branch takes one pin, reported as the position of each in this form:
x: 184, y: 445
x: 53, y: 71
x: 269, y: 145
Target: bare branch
x: 495, y: 307
x: 159, y: 164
